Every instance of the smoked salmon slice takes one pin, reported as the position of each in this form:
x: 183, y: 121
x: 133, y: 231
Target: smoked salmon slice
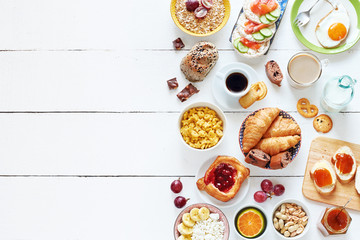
x: 251, y: 27
x: 250, y: 44
x: 261, y: 7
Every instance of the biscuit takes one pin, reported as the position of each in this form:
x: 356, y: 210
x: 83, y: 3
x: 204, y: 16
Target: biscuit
x: 306, y: 109
x: 323, y: 123
x: 257, y: 92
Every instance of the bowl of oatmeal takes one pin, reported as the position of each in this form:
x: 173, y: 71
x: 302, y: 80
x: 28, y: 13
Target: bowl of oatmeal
x: 205, y: 22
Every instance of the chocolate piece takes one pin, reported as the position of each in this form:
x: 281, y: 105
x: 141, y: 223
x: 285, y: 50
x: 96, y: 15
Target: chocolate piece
x: 178, y: 44
x: 172, y: 83
x: 187, y: 92
x: 273, y: 72
x: 258, y: 158
x: 280, y: 160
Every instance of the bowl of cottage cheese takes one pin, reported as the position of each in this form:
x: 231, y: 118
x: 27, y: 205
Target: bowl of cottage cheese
x: 201, y: 221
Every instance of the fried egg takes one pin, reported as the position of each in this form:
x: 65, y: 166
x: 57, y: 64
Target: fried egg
x: 333, y: 28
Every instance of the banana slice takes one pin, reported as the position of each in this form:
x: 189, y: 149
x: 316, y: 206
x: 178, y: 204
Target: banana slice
x: 204, y: 213
x: 186, y: 219
x: 184, y: 237
x: 184, y: 230
x: 194, y: 214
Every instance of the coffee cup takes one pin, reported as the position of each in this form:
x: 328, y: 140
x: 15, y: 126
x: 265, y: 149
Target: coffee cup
x: 304, y: 69
x: 235, y: 82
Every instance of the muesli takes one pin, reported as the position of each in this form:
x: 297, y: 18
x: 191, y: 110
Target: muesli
x: 200, y: 23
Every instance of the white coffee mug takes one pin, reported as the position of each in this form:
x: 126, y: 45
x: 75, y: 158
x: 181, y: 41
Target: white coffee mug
x: 228, y: 84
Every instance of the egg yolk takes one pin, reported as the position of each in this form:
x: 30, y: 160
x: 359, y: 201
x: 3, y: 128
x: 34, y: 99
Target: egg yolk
x: 337, y: 31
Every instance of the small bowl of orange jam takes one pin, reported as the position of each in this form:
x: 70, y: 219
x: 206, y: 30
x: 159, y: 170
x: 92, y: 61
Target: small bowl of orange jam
x: 334, y: 221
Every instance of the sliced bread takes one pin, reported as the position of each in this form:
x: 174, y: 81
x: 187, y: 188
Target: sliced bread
x: 324, y: 177
x: 345, y: 164
x: 357, y: 180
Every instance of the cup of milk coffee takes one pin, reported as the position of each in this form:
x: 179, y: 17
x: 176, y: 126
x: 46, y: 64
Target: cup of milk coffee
x: 304, y: 69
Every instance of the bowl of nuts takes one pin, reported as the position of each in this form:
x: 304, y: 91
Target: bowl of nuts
x: 202, y: 126
x: 290, y: 219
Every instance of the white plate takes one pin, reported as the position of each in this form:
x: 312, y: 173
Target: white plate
x: 207, y: 198
x: 218, y: 88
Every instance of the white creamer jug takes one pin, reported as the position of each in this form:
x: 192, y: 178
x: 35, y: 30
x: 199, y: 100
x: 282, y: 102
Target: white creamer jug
x: 337, y: 93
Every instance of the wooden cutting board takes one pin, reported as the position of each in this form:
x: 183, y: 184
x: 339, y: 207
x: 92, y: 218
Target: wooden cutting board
x: 324, y: 148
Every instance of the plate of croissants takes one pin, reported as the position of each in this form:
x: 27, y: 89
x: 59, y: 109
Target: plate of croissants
x: 270, y: 138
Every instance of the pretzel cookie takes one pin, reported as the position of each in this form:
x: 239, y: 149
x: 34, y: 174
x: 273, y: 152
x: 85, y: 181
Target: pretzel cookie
x: 323, y: 123
x: 306, y: 109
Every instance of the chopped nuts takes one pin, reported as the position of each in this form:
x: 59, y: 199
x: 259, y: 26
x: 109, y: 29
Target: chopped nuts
x: 290, y: 219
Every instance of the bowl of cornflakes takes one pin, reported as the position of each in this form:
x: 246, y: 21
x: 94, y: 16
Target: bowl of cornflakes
x: 202, y: 126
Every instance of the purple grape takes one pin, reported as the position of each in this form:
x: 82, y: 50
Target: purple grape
x: 260, y: 196
x: 279, y: 189
x: 180, y: 201
x: 207, y: 3
x: 176, y: 186
x: 200, y: 12
x: 267, y: 185
x: 191, y: 5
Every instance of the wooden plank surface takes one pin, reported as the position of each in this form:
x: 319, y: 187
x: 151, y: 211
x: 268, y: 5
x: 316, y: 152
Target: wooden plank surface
x: 88, y: 143
x: 324, y: 148
x: 129, y: 144
x: 123, y: 82
x: 43, y: 208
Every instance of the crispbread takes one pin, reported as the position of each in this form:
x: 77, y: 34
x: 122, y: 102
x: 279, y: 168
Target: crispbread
x: 241, y: 30
x: 249, y: 14
x: 251, y: 53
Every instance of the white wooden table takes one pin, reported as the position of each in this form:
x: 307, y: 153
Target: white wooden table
x: 89, y: 144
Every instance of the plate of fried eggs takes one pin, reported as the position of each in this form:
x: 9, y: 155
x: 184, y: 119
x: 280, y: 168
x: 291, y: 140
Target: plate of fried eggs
x: 334, y: 25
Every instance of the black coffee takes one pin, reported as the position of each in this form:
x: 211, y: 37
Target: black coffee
x: 236, y: 82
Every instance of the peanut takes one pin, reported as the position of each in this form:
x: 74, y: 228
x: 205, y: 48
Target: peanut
x: 281, y: 224
x: 276, y: 224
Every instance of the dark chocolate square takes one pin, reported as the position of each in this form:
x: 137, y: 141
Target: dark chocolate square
x: 178, y: 44
x: 172, y: 83
x: 187, y: 92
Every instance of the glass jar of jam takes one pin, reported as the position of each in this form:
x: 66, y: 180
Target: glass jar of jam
x: 334, y: 220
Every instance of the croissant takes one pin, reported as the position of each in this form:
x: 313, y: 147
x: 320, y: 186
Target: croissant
x: 275, y: 145
x: 256, y: 126
x: 215, y: 187
x: 282, y: 127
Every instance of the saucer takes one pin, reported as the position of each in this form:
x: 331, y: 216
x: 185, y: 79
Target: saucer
x: 218, y: 85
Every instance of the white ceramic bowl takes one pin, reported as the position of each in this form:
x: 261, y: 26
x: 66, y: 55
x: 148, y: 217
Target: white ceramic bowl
x: 220, y: 114
x: 306, y: 229
x: 212, y: 209
x: 267, y: 221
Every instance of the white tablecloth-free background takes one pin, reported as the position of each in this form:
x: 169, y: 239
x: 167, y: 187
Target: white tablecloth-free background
x: 89, y: 142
